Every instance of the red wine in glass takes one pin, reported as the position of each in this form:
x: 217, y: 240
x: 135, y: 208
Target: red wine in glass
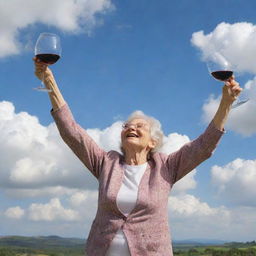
x: 48, y: 58
x: 222, y: 75
x: 48, y: 51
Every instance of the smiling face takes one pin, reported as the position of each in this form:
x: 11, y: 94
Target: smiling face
x: 136, y: 135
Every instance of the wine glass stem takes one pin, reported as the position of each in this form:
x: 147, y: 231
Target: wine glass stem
x: 42, y: 81
x: 43, y: 88
x: 43, y: 84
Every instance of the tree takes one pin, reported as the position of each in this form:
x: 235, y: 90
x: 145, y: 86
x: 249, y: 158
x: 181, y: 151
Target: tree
x: 6, y: 252
x: 193, y: 252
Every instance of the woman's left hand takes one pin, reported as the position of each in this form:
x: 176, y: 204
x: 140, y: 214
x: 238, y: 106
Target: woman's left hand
x: 231, y: 90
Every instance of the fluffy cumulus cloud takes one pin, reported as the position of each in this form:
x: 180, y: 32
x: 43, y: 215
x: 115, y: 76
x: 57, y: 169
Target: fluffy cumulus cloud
x: 72, y: 16
x: 51, y: 211
x: 36, y: 158
x: 235, y: 182
x: 171, y: 143
x: 78, y: 203
x: 79, y: 198
x: 187, y: 205
x: 14, y: 213
x: 192, y: 218
x: 232, y: 46
x: 229, y: 44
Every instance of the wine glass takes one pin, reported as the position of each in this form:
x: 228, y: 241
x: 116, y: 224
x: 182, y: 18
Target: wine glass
x: 222, y: 70
x: 48, y: 51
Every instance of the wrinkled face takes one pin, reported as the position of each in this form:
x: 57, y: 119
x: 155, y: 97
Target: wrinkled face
x: 136, y: 134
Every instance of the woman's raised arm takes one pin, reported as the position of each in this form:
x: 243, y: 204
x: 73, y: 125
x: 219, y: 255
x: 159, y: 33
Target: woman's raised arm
x: 193, y: 153
x: 42, y: 70
x: 90, y: 154
x: 230, y: 92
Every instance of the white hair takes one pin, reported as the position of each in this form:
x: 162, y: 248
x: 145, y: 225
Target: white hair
x: 155, y: 127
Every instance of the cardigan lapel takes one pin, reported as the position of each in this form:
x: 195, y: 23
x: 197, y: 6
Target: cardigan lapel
x: 116, y: 185
x: 142, y: 187
x: 119, y: 176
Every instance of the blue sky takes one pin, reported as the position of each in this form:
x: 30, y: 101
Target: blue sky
x: 118, y: 57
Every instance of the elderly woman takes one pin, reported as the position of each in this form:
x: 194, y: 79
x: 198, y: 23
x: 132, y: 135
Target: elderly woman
x: 132, y: 216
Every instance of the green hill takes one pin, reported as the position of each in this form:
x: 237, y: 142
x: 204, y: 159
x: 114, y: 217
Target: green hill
x: 41, y: 242
x: 42, y: 245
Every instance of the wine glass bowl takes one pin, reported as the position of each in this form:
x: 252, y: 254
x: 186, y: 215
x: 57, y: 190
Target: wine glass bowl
x: 222, y: 75
x: 48, y: 51
x: 222, y: 70
x: 219, y: 67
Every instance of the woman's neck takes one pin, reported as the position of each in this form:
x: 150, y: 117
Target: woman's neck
x: 136, y: 158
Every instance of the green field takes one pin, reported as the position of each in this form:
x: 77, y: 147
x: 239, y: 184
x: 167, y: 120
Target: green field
x: 57, y: 246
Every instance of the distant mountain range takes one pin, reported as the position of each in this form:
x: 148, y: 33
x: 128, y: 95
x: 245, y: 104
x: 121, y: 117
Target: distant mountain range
x: 200, y: 241
x: 56, y: 241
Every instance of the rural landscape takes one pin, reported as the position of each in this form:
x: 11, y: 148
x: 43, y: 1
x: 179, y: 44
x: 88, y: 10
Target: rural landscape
x: 58, y: 246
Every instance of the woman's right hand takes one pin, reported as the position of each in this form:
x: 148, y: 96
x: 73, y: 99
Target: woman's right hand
x: 42, y: 70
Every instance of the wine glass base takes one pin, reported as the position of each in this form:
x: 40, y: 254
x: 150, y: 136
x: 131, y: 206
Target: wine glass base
x: 237, y: 104
x: 42, y: 89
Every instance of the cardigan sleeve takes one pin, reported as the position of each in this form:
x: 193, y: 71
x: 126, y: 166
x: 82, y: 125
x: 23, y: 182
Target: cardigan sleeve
x: 78, y: 140
x: 193, y: 153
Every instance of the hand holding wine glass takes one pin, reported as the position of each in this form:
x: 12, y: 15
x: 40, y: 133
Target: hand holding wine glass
x: 231, y: 90
x: 223, y: 71
x: 47, y: 52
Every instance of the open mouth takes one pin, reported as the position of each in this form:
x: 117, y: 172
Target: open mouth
x: 132, y: 135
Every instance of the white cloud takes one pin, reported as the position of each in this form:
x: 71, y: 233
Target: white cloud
x: 34, y: 192
x: 188, y: 205
x: 186, y: 183
x: 109, y: 138
x: 172, y: 143
x: 85, y: 202
x: 78, y: 203
x: 14, y: 213
x: 70, y: 215
x: 37, y: 158
x: 22, y: 171
x: 192, y: 218
x: 51, y: 211
x: 73, y: 16
x: 78, y: 198
x: 233, y: 42
x: 235, y: 182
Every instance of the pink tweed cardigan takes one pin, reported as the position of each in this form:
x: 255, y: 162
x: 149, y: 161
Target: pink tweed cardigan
x: 146, y: 227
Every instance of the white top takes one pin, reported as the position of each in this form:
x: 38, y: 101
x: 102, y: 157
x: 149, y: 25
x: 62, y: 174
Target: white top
x: 126, y: 201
